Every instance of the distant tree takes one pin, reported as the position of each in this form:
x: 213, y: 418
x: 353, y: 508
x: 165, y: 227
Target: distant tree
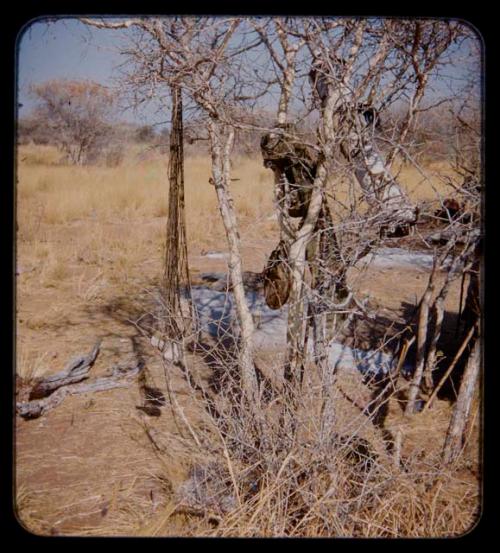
x: 29, y: 129
x: 78, y: 115
x: 145, y: 134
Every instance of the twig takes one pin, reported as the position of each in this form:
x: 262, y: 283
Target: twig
x: 450, y: 368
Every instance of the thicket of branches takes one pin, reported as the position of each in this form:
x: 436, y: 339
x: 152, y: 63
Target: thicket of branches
x: 349, y: 99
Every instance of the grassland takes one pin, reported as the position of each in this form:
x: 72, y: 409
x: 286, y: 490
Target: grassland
x: 102, y: 217
x: 90, y: 245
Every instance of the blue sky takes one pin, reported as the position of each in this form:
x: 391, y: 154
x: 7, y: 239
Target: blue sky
x: 71, y: 50
x: 68, y: 49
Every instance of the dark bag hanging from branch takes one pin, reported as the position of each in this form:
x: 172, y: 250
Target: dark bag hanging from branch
x: 277, y: 277
x: 176, y: 272
x: 294, y: 169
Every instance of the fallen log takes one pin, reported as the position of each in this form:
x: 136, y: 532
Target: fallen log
x: 120, y: 378
x: 76, y: 371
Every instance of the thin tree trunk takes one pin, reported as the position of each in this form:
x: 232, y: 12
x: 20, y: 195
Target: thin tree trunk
x: 381, y: 190
x: 438, y: 311
x: 472, y: 308
x: 450, y: 368
x: 459, y: 419
x: 221, y: 141
x: 296, y: 331
x: 423, y: 321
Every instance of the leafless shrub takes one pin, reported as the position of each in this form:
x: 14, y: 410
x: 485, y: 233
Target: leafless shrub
x: 115, y: 156
x: 77, y: 114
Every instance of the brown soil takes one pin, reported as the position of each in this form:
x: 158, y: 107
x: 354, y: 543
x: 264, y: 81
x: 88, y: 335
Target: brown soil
x: 97, y: 465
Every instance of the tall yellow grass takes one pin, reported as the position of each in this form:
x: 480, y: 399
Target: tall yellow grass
x: 49, y: 193
x: 58, y: 194
x: 114, y: 217
x: 132, y: 190
x: 86, y: 233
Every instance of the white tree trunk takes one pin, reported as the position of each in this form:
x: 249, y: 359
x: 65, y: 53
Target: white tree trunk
x: 296, y: 315
x: 221, y: 141
x: 341, y: 111
x: 380, y: 188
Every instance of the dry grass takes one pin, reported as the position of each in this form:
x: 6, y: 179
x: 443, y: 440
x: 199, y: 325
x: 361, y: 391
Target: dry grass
x: 30, y: 364
x: 260, y: 483
x: 137, y: 190
x: 111, y: 220
x: 57, y: 194
x: 90, y: 240
x: 86, y: 234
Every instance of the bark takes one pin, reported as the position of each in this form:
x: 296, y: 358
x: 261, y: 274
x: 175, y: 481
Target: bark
x: 472, y: 308
x: 290, y: 51
x: 329, y: 294
x: 423, y: 321
x: 384, y: 195
x: 438, y: 312
x: 461, y: 413
x: 121, y: 378
x: 297, y: 321
x: 297, y: 326
x: 76, y: 371
x: 383, y: 192
x: 455, y: 360
x: 438, y: 306
x: 221, y: 141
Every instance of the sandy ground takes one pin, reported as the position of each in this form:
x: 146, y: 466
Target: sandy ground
x: 96, y: 464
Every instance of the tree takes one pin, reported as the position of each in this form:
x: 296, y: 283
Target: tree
x: 32, y: 129
x: 192, y: 54
x: 145, y: 134
x: 357, y: 70
x: 78, y: 114
x: 345, y: 74
x: 318, y: 92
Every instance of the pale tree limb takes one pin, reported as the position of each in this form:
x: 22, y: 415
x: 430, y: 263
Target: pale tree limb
x: 458, y: 423
x: 438, y: 309
x: 121, y: 378
x: 76, y: 371
x: 297, y: 256
x: 221, y: 140
x: 422, y: 328
x: 125, y: 24
x: 450, y: 368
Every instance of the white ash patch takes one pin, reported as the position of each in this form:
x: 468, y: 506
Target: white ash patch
x: 398, y: 258
x: 217, y: 313
x: 369, y: 363
x: 217, y: 316
x: 215, y: 255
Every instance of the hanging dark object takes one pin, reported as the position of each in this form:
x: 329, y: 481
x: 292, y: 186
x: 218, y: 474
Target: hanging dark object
x: 176, y: 271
